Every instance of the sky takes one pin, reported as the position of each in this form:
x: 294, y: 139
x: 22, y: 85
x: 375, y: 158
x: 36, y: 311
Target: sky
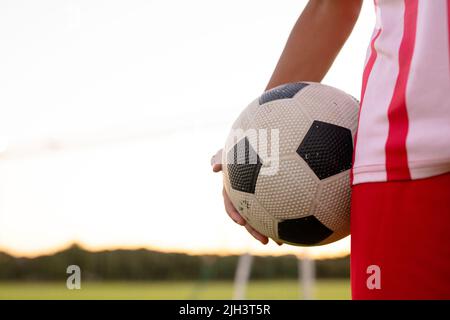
x: 111, y: 110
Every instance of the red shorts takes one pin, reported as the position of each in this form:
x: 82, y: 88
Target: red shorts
x: 400, y: 243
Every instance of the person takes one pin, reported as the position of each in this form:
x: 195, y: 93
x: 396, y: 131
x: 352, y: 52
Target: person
x: 400, y: 212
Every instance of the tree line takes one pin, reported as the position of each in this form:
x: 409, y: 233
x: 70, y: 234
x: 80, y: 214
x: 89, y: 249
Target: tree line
x: 148, y: 265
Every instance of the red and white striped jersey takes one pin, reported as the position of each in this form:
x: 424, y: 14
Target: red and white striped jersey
x: 404, y: 124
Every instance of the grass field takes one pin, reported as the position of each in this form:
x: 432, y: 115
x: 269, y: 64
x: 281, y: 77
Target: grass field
x: 286, y: 289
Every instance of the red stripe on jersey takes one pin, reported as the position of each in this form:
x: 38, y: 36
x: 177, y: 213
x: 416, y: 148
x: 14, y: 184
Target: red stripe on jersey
x: 365, y: 79
x: 396, y: 154
x: 369, y: 65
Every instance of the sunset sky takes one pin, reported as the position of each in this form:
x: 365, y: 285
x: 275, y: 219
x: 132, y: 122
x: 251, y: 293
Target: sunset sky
x: 111, y: 110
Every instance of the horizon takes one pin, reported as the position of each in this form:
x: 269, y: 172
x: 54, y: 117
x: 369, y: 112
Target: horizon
x: 158, y: 250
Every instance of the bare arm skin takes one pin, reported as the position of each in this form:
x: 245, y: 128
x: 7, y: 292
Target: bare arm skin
x: 314, y: 42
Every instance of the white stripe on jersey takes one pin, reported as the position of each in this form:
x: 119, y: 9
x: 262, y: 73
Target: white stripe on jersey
x: 428, y: 93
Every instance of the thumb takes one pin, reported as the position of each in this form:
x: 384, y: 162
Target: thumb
x: 216, y: 161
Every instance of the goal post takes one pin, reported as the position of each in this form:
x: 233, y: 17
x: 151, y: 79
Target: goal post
x: 306, y: 276
x: 242, y: 276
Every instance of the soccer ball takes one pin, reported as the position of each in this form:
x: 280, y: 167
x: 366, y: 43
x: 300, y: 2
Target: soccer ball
x: 287, y: 163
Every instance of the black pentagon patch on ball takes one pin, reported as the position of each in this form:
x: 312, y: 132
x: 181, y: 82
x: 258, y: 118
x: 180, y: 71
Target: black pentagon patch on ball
x: 243, y: 165
x: 327, y: 149
x: 286, y: 91
x: 304, y: 231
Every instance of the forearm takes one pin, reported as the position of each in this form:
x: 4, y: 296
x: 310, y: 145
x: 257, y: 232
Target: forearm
x: 316, y: 39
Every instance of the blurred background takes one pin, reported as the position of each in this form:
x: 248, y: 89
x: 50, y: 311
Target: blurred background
x: 109, y: 114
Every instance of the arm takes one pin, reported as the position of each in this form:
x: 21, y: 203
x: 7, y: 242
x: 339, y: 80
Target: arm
x: 316, y: 39
x: 314, y: 42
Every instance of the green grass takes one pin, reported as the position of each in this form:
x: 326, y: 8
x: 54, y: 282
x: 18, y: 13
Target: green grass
x: 283, y: 289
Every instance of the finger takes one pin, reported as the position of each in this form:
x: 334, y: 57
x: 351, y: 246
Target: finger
x: 231, y: 210
x: 279, y: 243
x: 258, y: 236
x: 216, y: 161
x: 217, y: 167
